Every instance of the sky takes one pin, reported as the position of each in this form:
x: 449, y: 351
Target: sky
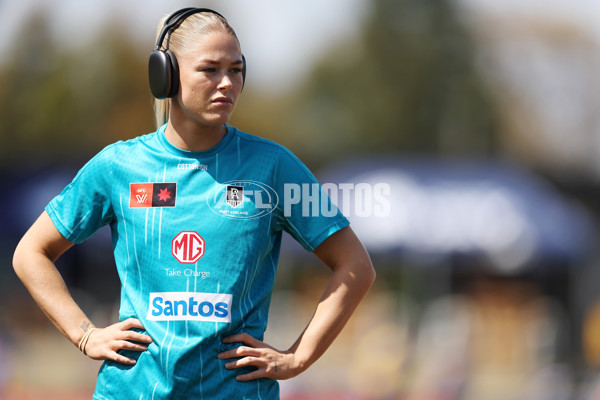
x: 584, y: 12
x: 280, y: 39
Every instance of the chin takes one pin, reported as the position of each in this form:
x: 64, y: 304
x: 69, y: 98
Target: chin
x: 219, y: 119
x: 214, y: 121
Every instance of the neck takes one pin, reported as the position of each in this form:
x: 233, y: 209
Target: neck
x: 190, y: 136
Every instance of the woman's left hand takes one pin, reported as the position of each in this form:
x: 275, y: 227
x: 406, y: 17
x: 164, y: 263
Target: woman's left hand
x: 270, y: 362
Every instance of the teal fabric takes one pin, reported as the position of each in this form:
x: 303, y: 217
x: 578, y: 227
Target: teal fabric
x: 196, y: 239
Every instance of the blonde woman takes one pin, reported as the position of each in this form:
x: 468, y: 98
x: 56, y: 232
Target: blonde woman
x: 197, y: 210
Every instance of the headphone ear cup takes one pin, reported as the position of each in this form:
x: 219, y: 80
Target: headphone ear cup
x: 174, y: 69
x: 243, y: 69
x: 163, y: 74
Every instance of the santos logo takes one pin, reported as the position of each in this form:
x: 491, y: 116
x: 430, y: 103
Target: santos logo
x: 181, y: 306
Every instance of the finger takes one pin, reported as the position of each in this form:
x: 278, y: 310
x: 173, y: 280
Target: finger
x: 121, y: 359
x: 227, y: 354
x: 135, y: 336
x: 127, y: 334
x: 125, y: 345
x: 241, y: 351
x: 259, y: 373
x: 244, y: 362
x: 130, y: 323
x: 242, y: 338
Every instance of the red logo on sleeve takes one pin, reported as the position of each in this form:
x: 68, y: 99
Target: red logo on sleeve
x: 158, y: 194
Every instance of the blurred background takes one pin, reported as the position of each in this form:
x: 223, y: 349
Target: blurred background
x: 476, y: 120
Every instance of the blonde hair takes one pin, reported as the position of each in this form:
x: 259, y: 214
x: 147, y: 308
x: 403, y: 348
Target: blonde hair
x: 181, y: 38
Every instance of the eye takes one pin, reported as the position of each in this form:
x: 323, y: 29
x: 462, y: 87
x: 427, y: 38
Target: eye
x: 209, y: 70
x: 235, y: 70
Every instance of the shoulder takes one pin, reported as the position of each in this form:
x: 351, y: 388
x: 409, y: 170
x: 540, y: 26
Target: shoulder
x: 115, y: 154
x: 125, y: 147
x: 255, y: 143
x: 139, y: 142
x: 286, y: 165
x: 253, y: 140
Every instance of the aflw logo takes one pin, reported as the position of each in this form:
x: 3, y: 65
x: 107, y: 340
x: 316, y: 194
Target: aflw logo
x: 152, y: 194
x: 187, y: 247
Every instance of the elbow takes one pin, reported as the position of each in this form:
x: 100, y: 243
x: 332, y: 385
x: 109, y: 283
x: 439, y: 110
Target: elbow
x: 367, y: 274
x: 18, y: 261
x: 24, y: 258
x: 370, y: 274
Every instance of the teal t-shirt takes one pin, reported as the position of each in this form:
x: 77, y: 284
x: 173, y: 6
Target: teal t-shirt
x: 196, y: 238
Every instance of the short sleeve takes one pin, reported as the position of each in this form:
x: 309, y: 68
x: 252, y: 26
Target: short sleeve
x: 84, y: 206
x: 305, y: 210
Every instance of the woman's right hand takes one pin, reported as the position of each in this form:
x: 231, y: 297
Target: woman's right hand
x: 104, y: 343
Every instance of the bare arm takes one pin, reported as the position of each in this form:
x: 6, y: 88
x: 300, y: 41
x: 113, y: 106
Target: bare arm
x: 352, y: 276
x: 33, y: 262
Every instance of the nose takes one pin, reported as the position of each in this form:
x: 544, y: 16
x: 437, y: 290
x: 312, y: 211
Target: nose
x: 225, y: 82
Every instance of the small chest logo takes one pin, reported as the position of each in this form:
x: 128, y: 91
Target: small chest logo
x: 187, y: 247
x: 143, y: 195
x: 242, y: 199
x: 235, y: 195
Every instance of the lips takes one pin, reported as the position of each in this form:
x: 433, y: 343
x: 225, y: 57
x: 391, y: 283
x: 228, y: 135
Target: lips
x: 222, y: 100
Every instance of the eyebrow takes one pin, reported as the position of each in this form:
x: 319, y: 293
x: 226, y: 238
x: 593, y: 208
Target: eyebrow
x: 214, y: 62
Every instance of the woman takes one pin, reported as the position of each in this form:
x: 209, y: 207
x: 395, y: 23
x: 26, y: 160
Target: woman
x: 196, y: 210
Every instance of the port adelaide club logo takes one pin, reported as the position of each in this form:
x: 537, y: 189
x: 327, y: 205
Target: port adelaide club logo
x: 235, y: 195
x: 242, y: 199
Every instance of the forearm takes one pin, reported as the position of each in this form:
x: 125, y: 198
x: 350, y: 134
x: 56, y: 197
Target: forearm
x: 33, y: 262
x: 35, y: 267
x: 340, y: 298
x: 352, y: 276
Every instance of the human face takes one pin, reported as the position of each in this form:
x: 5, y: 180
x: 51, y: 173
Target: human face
x: 210, y: 76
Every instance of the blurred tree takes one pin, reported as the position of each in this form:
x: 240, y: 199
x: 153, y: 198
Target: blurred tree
x: 69, y: 104
x: 407, y: 84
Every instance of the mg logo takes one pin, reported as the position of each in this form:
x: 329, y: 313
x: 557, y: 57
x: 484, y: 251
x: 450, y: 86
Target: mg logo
x: 187, y: 247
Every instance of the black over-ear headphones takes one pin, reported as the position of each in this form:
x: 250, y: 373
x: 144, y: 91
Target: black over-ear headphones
x: 163, y: 70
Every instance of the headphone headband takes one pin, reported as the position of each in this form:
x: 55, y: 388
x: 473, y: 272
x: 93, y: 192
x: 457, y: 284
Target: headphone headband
x: 178, y: 17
